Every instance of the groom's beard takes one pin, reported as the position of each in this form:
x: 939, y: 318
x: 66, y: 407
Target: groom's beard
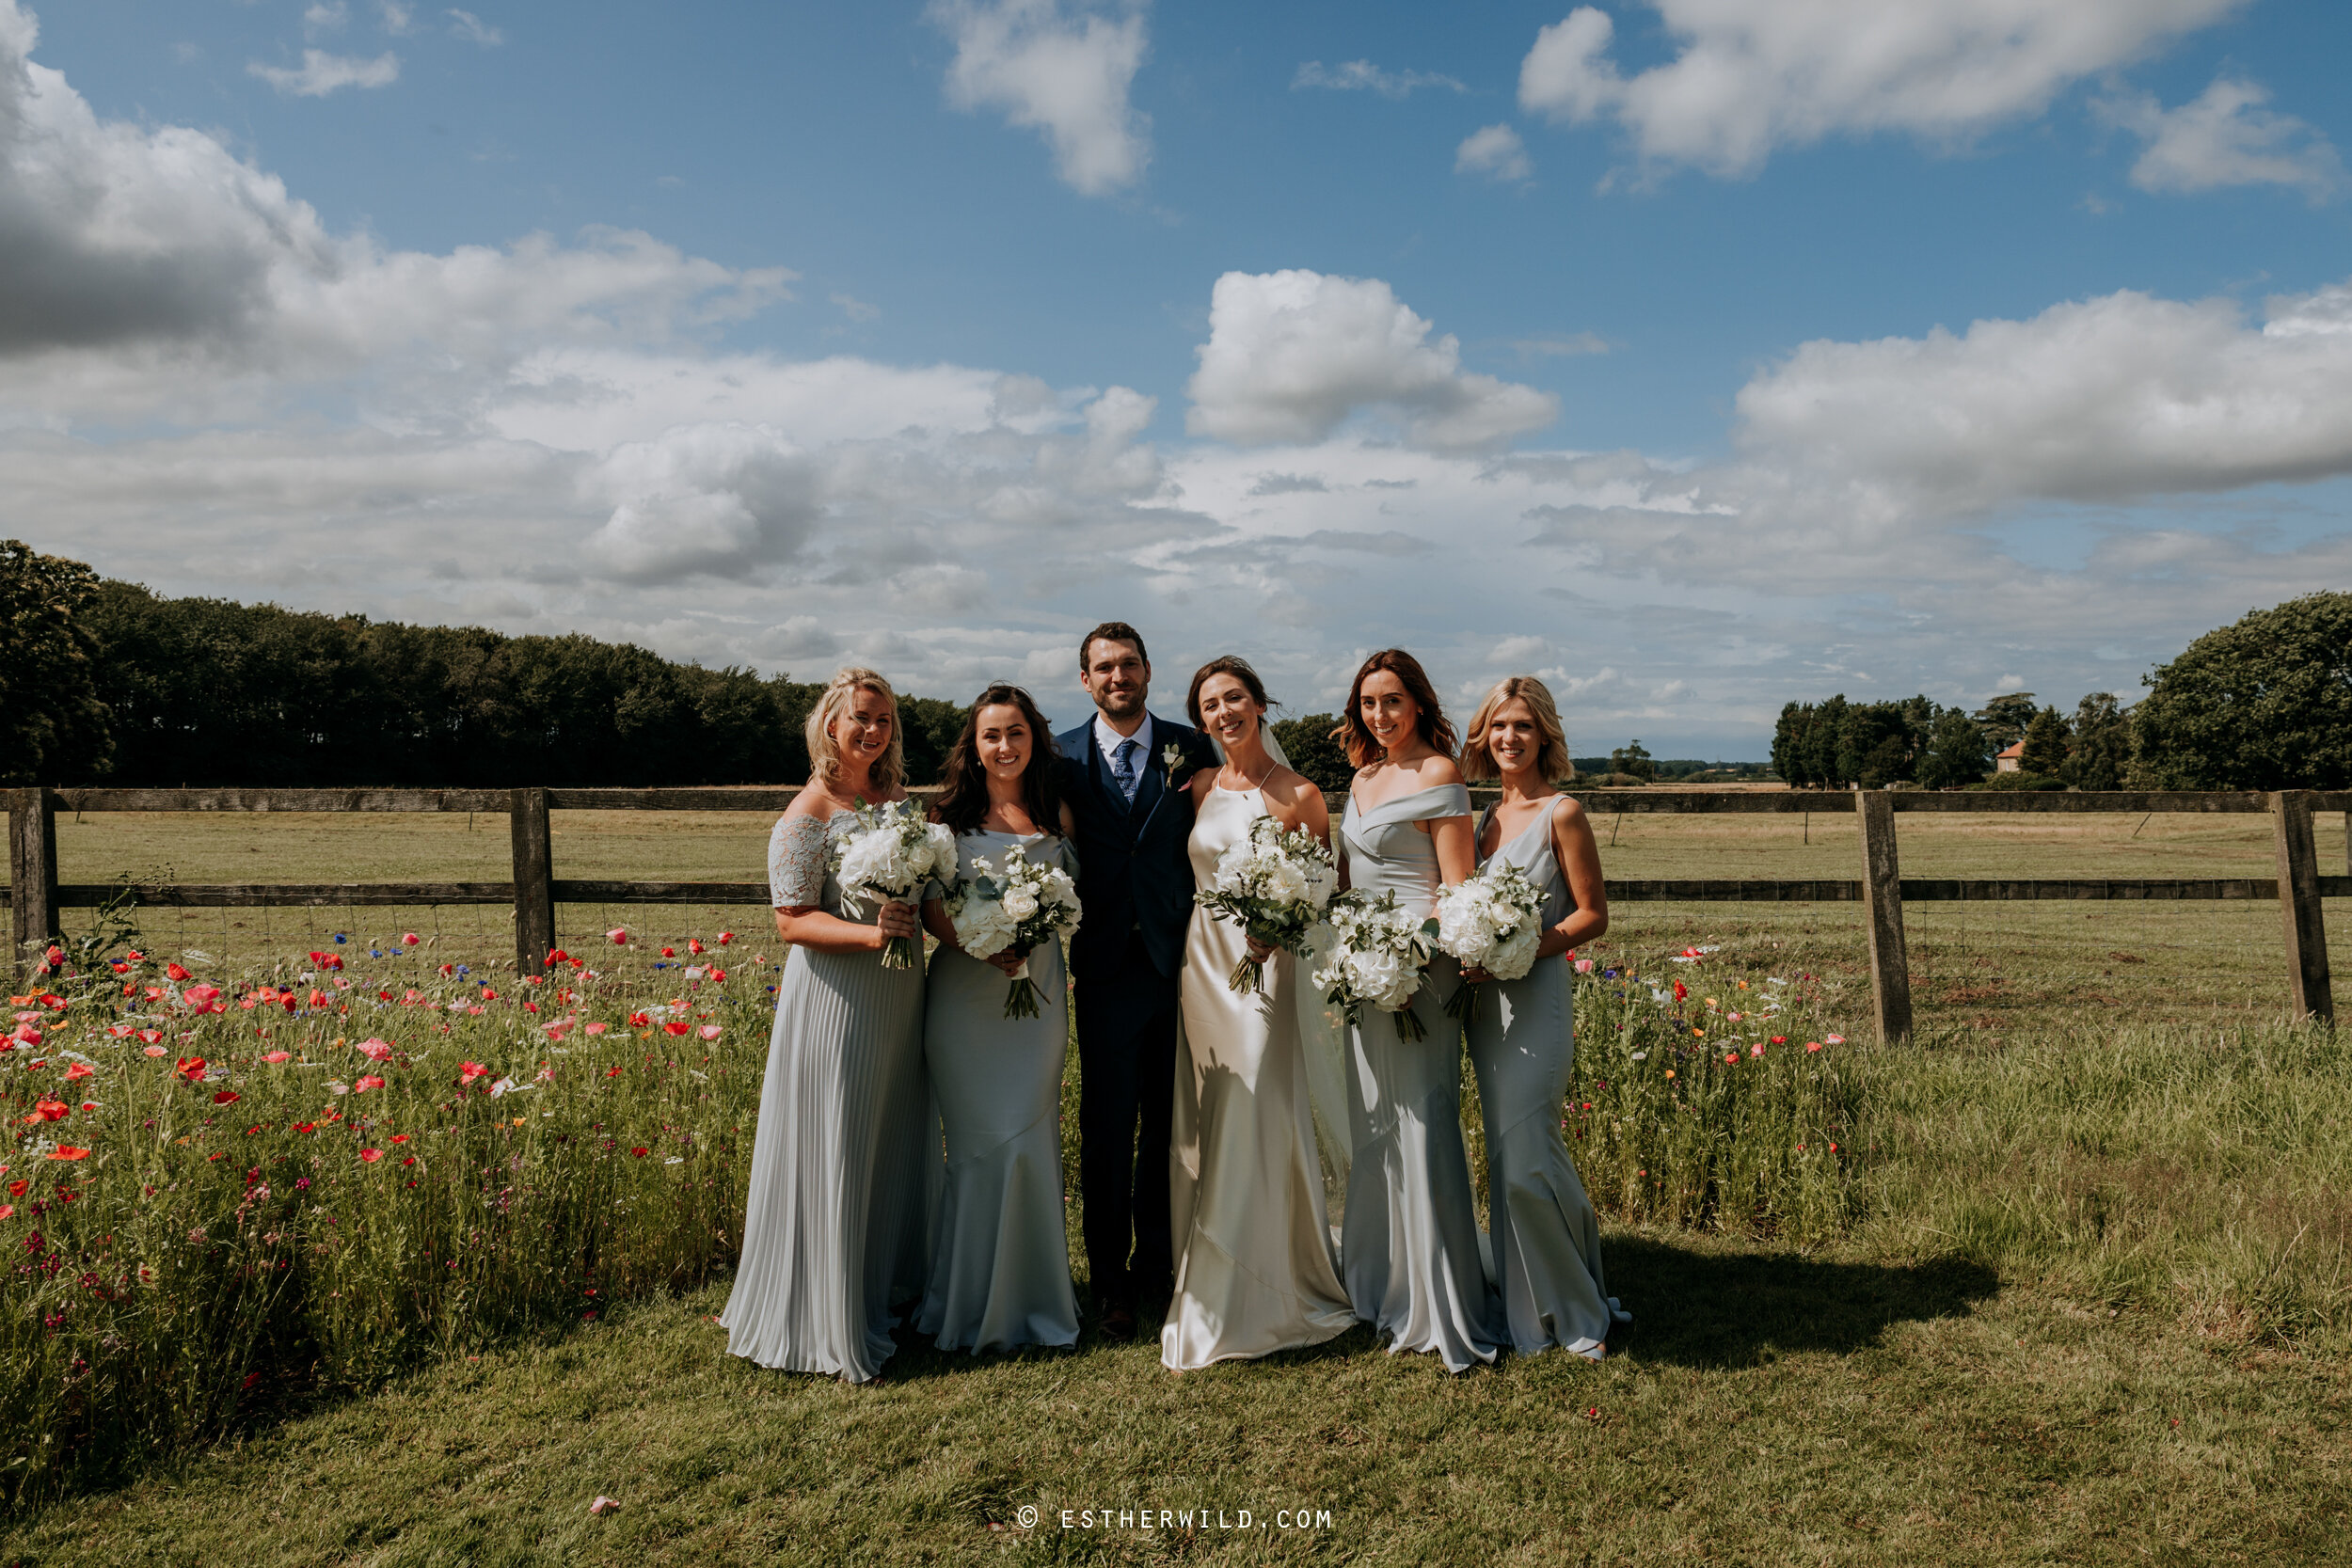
x: 1121, y: 705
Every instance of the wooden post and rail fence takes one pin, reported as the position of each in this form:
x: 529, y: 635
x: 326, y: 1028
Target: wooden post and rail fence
x: 35, y: 897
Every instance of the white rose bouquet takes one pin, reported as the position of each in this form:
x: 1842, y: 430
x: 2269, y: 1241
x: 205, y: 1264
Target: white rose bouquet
x: 1494, y: 921
x: 1013, y: 903
x: 887, y: 858
x: 1274, y: 884
x: 1378, y: 958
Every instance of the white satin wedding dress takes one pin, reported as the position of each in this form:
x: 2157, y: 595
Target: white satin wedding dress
x: 1255, y: 1269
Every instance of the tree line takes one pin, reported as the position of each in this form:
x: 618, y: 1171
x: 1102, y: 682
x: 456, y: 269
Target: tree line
x: 2264, y: 703
x: 106, y: 681
x: 102, y: 680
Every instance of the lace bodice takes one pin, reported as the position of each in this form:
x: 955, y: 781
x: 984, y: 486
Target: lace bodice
x: 800, y: 860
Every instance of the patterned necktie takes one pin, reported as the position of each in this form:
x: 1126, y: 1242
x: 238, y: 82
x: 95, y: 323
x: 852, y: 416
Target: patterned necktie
x: 1124, y: 768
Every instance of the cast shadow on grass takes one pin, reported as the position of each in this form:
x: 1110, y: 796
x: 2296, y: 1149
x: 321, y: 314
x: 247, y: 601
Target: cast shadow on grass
x: 1723, y: 1309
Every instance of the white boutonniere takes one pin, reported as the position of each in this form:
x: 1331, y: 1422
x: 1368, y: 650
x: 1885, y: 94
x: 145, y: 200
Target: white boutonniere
x: 1172, y: 758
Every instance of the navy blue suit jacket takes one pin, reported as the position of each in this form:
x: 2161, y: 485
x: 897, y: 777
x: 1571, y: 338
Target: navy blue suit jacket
x: 1132, y: 872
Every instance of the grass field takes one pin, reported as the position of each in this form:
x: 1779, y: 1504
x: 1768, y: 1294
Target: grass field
x: 2095, y: 1306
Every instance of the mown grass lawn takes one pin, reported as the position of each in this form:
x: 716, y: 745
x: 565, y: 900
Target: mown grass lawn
x: 1770, y: 1408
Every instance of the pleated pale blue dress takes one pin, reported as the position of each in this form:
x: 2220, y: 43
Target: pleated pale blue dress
x: 1522, y: 1044
x: 1000, y: 1262
x: 847, y: 1153
x: 1409, y: 1241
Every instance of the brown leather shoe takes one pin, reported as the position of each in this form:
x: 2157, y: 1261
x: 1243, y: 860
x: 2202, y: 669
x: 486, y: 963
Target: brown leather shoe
x: 1119, y: 1324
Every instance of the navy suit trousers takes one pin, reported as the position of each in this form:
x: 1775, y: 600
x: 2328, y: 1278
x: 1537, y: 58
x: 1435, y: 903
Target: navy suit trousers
x: 1126, y: 1096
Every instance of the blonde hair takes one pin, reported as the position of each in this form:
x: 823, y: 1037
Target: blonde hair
x: 1553, y: 761
x: 825, y: 751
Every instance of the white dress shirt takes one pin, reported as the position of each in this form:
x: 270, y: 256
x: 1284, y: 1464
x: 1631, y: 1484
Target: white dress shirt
x: 1106, y: 740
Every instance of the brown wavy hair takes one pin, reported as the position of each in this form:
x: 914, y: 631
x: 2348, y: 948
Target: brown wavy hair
x: 1552, y: 762
x: 1356, y: 737
x: 963, y: 804
x: 1237, y: 667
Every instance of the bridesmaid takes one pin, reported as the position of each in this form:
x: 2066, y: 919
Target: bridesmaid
x: 1408, y: 1243
x: 1255, y: 1272
x: 1000, y: 1268
x: 836, y: 1215
x: 1522, y: 1033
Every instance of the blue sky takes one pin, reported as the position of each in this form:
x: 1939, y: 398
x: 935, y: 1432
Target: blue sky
x: 792, y: 335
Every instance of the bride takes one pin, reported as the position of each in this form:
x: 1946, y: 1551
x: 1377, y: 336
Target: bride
x: 1255, y: 1269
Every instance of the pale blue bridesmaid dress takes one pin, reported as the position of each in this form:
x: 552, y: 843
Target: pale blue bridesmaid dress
x: 1522, y: 1044
x: 1408, y: 1242
x: 846, y: 1156
x: 1000, y: 1262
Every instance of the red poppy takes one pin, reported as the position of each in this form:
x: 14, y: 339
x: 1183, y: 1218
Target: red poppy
x: 49, y: 1110
x: 16, y: 1189
x: 79, y: 1069
x: 725, y: 937
x: 612, y: 1073
x: 1681, y: 991
x: 370, y: 1155
x: 6, y: 1210
x: 669, y: 952
x: 367, y: 1083
x: 227, y: 1096
x: 151, y: 1036
x: 639, y: 1153
x: 305, y: 1125
x: 638, y: 1021
x: 557, y: 956
x: 175, y: 972
x: 469, y: 1071
x: 399, y: 1137
x: 676, y: 1026
x: 67, y: 1152
x: 695, y: 944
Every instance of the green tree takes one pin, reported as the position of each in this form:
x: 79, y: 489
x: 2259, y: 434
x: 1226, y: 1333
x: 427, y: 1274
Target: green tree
x: 54, y: 727
x: 2263, y: 704
x: 1633, y: 760
x: 1313, y: 752
x: 2005, y: 718
x: 2045, y: 745
x: 1956, y: 754
x: 2102, y: 747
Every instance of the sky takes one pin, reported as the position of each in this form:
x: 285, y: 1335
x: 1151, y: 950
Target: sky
x: 1698, y: 355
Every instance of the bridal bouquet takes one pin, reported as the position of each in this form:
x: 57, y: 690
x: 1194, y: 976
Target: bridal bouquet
x: 1014, y: 903
x: 888, y: 857
x: 1492, y: 921
x: 1378, y: 958
x: 1274, y: 885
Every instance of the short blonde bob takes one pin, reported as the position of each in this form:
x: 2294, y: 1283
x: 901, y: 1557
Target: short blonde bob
x: 825, y: 751
x: 1552, y: 759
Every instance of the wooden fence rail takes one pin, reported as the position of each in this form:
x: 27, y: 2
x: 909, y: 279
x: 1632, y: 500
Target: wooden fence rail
x: 35, y: 896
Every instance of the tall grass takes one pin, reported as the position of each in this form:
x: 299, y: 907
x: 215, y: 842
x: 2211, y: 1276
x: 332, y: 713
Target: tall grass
x: 219, y: 1204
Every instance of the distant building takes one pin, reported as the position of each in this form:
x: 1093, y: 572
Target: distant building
x: 2011, y: 760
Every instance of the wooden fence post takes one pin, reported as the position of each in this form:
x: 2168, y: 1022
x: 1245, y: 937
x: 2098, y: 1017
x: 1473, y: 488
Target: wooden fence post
x: 535, y: 891
x: 1882, y: 907
x: 2298, y: 905
x: 32, y: 878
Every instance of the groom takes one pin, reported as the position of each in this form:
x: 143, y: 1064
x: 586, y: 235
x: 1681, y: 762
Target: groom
x: 1134, y: 892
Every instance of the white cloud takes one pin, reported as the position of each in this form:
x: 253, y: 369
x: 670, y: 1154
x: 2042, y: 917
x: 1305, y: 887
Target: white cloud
x: 325, y: 16
x: 1496, y: 152
x: 1561, y: 346
x: 856, y: 309
x: 1063, y: 73
x: 706, y: 498
x: 1364, y: 76
x: 321, y: 73
x: 400, y: 18
x: 1750, y: 76
x: 2224, y: 137
x: 474, y: 30
x: 2106, y: 399
x: 1292, y: 354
